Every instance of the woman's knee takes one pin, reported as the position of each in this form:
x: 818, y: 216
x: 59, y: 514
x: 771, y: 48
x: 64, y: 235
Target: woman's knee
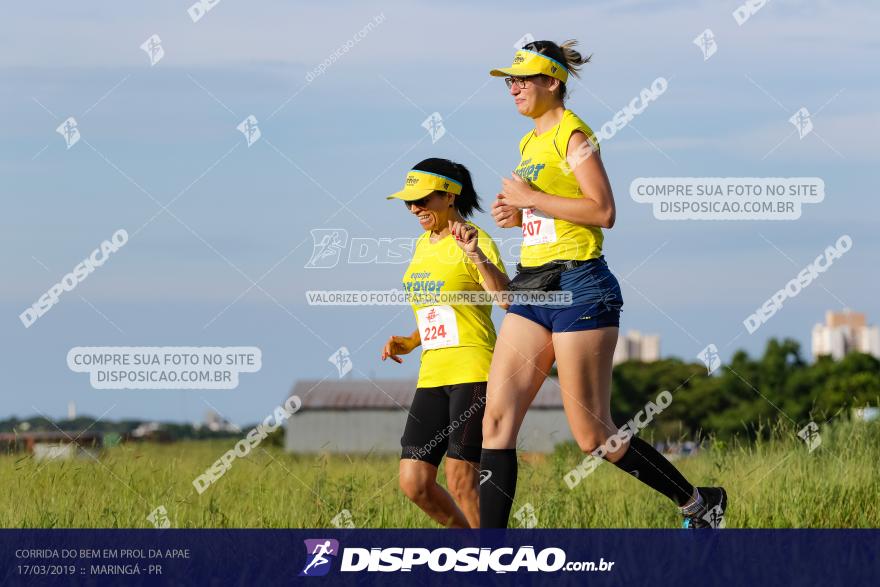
x: 498, y: 429
x: 415, y: 484
x: 599, y: 440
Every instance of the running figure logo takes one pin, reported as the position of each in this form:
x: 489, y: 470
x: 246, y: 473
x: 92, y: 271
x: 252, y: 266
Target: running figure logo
x: 434, y: 125
x: 342, y: 359
x: 317, y: 561
x: 810, y: 435
x: 802, y: 122
x: 526, y: 516
x: 327, y: 245
x: 159, y: 517
x: 153, y: 48
x: 250, y: 130
x: 69, y: 130
x: 524, y: 40
x: 715, y: 517
x: 710, y: 358
x: 343, y: 520
x: 706, y: 42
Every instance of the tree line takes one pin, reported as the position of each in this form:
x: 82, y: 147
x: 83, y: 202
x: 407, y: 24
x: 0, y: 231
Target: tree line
x: 747, y: 394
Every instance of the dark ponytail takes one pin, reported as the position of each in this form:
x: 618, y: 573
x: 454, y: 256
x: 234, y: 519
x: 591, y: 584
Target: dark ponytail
x: 467, y: 201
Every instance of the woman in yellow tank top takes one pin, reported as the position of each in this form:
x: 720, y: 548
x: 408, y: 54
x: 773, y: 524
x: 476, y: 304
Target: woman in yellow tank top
x: 561, y: 198
x: 451, y: 255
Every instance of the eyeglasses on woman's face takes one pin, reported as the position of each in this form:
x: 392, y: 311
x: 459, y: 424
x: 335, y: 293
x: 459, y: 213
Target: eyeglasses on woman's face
x: 519, y: 81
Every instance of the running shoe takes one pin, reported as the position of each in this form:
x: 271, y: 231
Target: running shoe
x: 712, y: 514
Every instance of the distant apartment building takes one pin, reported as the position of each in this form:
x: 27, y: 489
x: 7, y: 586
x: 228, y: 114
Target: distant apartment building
x: 843, y: 333
x: 635, y: 346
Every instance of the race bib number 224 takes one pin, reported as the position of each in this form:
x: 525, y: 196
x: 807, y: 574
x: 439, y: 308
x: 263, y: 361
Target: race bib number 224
x: 437, y: 327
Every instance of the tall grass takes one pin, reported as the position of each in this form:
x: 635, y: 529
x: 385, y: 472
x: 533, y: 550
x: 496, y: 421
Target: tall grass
x: 773, y: 483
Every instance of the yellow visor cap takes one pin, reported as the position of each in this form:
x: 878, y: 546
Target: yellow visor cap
x: 527, y: 62
x: 421, y: 183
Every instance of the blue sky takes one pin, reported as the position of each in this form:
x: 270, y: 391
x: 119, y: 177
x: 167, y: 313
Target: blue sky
x: 153, y: 134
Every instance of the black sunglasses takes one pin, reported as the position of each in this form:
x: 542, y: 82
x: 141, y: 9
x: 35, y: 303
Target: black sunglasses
x: 421, y: 202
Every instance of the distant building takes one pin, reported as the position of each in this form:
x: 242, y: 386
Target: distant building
x: 149, y: 431
x: 843, y: 333
x: 635, y: 346
x: 368, y: 416
x: 53, y: 445
x: 145, y: 429
x: 217, y: 423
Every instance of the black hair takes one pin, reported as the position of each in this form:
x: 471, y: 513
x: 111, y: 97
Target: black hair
x: 465, y: 202
x: 564, y: 54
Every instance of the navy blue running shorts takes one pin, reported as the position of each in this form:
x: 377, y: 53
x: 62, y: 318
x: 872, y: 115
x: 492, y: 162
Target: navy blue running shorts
x: 596, y: 301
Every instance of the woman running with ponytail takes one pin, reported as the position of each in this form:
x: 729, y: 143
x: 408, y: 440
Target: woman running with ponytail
x: 561, y: 197
x: 452, y: 255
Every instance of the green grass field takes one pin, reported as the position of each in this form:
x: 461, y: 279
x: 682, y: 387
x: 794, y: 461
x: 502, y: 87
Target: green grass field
x: 771, y: 484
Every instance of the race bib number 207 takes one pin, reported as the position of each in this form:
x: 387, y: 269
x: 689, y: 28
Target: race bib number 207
x: 537, y: 228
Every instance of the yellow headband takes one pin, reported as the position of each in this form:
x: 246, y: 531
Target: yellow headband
x: 527, y: 62
x: 421, y: 183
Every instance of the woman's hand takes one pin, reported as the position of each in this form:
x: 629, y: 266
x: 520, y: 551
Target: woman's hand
x: 516, y: 192
x: 506, y: 216
x: 465, y: 237
x: 399, y: 345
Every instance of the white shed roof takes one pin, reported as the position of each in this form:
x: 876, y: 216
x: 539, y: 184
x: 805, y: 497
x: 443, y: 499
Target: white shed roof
x: 379, y: 394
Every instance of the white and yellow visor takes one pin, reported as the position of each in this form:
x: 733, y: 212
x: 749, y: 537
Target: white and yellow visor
x: 527, y: 62
x: 421, y: 183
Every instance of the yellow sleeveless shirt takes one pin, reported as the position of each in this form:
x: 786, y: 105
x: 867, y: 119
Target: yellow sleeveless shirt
x: 544, y: 167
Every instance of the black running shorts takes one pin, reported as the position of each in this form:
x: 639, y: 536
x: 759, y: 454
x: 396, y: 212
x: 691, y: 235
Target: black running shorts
x: 445, y: 420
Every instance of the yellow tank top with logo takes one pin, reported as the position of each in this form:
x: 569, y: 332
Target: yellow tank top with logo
x: 457, y: 339
x: 544, y: 167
